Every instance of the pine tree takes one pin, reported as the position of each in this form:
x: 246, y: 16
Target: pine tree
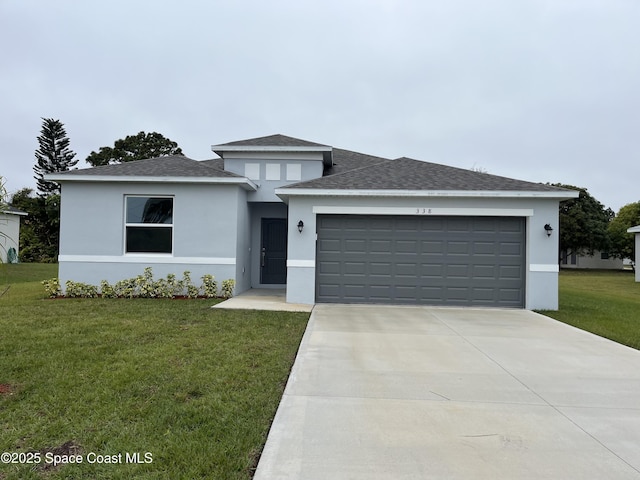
x: 54, y: 155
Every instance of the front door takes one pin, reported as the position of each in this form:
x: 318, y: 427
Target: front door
x: 273, y: 251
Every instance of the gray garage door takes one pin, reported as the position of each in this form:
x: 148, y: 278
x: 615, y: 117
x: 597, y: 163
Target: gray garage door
x: 431, y: 260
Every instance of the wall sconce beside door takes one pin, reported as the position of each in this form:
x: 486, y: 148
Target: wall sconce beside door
x: 548, y: 228
x: 300, y: 226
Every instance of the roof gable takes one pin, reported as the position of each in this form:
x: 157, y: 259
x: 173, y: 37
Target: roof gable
x: 272, y: 141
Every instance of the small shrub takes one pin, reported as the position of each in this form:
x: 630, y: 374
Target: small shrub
x: 163, y: 289
x: 174, y: 285
x: 125, y: 288
x: 107, y: 290
x: 52, y: 287
x: 144, y: 284
x: 192, y: 290
x: 80, y: 290
x: 209, y: 286
x: 227, y: 287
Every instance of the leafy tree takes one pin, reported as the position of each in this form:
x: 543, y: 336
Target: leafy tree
x: 623, y: 243
x: 53, y: 155
x: 583, y: 223
x: 135, y: 147
x: 39, y: 231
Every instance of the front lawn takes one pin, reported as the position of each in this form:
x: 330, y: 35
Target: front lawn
x: 195, y: 388
x: 606, y: 303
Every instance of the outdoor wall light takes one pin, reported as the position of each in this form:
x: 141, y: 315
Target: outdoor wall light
x: 548, y: 228
x: 300, y: 226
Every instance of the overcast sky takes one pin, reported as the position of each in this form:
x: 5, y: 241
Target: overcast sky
x: 540, y: 90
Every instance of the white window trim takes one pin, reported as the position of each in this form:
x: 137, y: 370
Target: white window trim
x: 153, y: 225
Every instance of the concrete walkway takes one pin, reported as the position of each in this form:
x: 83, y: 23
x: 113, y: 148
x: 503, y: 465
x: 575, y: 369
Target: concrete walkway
x: 380, y: 392
x: 263, y: 299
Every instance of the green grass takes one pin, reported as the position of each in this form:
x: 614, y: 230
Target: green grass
x: 195, y: 387
x: 606, y: 303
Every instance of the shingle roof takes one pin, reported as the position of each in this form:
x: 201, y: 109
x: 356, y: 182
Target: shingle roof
x: 345, y: 160
x: 350, y: 171
x: 169, y: 166
x: 409, y: 174
x: 272, y: 141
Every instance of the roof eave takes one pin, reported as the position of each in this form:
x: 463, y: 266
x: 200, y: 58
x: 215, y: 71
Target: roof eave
x: 240, y: 181
x: 14, y: 212
x: 312, y: 192
x: 635, y: 229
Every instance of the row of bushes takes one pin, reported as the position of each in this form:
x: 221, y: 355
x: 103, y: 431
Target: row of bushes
x: 143, y: 286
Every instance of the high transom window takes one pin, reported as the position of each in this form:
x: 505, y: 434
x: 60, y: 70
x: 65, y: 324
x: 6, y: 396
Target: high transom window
x: 148, y: 224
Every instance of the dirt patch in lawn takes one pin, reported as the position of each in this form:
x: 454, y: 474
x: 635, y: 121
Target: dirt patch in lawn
x: 6, y: 389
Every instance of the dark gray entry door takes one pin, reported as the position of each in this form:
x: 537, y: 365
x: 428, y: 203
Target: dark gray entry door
x: 273, y: 251
x: 431, y: 260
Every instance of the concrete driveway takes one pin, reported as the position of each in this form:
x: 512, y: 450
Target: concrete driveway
x: 382, y: 392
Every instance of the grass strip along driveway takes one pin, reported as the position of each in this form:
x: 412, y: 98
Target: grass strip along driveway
x: 189, y: 390
x: 606, y: 303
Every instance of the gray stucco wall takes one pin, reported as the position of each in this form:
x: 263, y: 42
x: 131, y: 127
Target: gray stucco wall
x: 310, y: 168
x: 205, y: 231
x: 243, y: 244
x: 541, y: 280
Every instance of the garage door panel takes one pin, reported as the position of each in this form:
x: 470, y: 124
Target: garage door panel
x: 355, y: 246
x: 380, y: 246
x: 428, y: 270
x: 458, y: 248
x: 355, y: 268
x: 484, y: 272
x: 510, y: 272
x: 483, y: 248
x: 510, y: 248
x: 457, y: 271
x: 407, y: 270
x: 329, y: 245
x: 435, y: 247
x: 421, y: 260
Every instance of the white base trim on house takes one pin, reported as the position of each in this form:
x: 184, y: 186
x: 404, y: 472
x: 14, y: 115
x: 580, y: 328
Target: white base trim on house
x: 301, y: 263
x: 424, y: 210
x: 155, y: 259
x: 542, y: 267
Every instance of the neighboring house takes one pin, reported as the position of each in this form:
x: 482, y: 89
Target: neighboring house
x: 599, y: 260
x: 10, y: 233
x: 636, y: 230
x: 326, y: 224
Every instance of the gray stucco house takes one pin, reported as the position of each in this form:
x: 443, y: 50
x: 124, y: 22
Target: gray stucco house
x: 327, y: 224
x: 10, y: 232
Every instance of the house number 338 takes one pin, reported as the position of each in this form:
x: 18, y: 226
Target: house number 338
x: 423, y: 211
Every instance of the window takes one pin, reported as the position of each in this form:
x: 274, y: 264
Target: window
x: 604, y: 255
x: 148, y: 224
